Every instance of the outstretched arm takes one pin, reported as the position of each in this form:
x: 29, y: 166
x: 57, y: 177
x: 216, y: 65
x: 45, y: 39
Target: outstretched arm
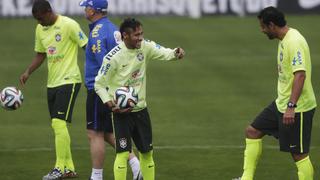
x: 36, y: 62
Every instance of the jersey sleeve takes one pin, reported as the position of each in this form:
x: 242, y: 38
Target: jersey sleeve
x: 158, y: 52
x: 76, y: 34
x: 102, y: 80
x: 38, y: 44
x: 297, y: 56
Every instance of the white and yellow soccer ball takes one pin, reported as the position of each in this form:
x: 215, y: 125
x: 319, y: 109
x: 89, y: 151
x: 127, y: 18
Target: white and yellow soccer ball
x: 11, y: 98
x: 126, y: 97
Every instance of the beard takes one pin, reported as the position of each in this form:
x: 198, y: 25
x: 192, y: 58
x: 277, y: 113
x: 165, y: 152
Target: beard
x: 270, y: 36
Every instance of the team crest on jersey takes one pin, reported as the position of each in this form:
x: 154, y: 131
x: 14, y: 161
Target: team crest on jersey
x: 52, y: 50
x: 58, y: 37
x: 123, y: 142
x: 140, y: 56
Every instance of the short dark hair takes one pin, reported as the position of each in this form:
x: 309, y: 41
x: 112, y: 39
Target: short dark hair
x: 129, y: 23
x: 41, y: 6
x: 272, y: 14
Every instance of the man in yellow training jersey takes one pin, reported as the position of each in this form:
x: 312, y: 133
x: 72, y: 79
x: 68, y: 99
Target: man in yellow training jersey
x: 56, y: 41
x: 289, y: 117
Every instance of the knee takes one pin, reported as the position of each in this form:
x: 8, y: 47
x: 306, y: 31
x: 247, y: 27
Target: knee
x: 109, y: 138
x: 59, y: 126
x: 253, y: 133
x: 299, y: 157
x: 94, y: 135
x: 148, y: 156
x: 123, y: 156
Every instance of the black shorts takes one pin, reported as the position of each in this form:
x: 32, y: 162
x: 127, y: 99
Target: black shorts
x: 98, y: 114
x: 61, y: 100
x: 135, y: 126
x: 293, y: 138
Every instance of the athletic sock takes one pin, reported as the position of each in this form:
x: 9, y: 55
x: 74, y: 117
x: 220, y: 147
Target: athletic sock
x: 61, y: 133
x: 68, y: 162
x: 305, y: 169
x: 135, y: 166
x: 147, y: 165
x: 120, y: 166
x: 97, y: 174
x: 251, y: 157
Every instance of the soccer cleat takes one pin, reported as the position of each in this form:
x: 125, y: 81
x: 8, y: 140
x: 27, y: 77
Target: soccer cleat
x: 139, y: 177
x: 55, y: 174
x: 69, y: 174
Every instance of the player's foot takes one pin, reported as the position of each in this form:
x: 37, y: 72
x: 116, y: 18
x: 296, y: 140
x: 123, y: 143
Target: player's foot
x: 238, y: 178
x: 55, y: 174
x: 139, y: 176
x: 69, y: 174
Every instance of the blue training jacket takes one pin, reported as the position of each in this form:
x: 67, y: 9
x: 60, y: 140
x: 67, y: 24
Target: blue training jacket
x: 103, y: 36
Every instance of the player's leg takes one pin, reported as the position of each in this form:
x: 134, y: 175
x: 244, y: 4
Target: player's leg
x: 265, y: 123
x: 122, y: 130
x: 132, y: 160
x: 97, y: 115
x: 72, y: 92
x: 252, y: 152
x: 97, y: 152
x: 65, y: 100
x: 60, y: 156
x: 142, y: 137
x: 296, y: 139
x: 147, y: 165
x: 135, y: 166
x: 61, y: 101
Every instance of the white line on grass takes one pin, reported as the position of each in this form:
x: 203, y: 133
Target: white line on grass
x: 182, y: 147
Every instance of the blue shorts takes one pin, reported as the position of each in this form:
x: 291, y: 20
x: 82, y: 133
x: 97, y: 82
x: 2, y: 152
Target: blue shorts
x: 98, y: 114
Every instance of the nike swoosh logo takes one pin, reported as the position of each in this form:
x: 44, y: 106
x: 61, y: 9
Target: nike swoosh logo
x: 60, y: 112
x: 88, y: 123
x: 309, y: 4
x: 121, y: 167
x: 293, y: 146
x: 125, y: 65
x: 151, y: 166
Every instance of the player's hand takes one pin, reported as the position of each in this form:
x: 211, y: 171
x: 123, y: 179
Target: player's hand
x: 118, y: 110
x: 288, y: 116
x: 114, y: 108
x: 179, y: 53
x: 23, y: 78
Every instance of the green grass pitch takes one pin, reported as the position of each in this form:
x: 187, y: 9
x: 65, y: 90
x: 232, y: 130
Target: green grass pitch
x: 199, y: 106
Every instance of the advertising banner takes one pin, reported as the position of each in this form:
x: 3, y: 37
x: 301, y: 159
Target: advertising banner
x: 192, y: 8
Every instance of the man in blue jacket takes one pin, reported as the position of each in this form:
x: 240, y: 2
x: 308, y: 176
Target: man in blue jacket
x: 104, y: 35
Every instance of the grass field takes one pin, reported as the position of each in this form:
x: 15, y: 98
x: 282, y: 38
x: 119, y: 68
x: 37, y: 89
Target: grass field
x: 199, y: 107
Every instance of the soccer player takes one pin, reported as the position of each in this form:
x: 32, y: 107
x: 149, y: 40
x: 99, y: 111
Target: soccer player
x: 125, y: 65
x: 56, y: 41
x: 289, y: 117
x: 103, y: 36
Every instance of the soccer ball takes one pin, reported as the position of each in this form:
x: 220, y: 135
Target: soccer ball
x: 11, y: 98
x: 126, y: 97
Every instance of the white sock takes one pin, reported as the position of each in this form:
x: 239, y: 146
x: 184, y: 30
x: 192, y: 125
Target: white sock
x: 135, y: 166
x: 97, y: 174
